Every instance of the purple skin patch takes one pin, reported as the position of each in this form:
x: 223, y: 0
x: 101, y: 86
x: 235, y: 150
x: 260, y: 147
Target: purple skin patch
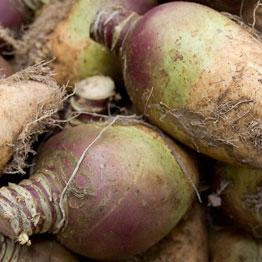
x: 12, y: 13
x: 139, y: 6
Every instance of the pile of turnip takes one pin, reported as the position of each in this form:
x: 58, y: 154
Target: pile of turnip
x: 131, y: 130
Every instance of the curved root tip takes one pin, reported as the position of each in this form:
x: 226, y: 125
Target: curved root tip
x: 23, y: 239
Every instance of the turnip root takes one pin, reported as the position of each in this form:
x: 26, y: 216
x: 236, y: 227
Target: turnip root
x: 196, y: 77
x: 5, y: 68
x: 41, y: 250
x: 229, y: 245
x: 28, y: 101
x: 186, y: 242
x: 241, y: 198
x: 67, y: 39
x: 106, y: 191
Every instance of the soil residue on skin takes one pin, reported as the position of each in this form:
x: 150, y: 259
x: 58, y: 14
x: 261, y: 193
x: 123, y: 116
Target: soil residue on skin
x: 236, y: 116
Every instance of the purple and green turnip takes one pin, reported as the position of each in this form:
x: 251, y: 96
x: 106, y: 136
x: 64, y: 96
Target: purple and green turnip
x: 197, y: 77
x: 107, y: 191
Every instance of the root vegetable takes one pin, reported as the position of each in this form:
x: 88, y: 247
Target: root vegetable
x: 186, y: 242
x: 67, y: 39
x: 106, y: 191
x: 229, y: 245
x: 196, y: 77
x: 42, y: 250
x: 242, y: 197
x: 28, y: 101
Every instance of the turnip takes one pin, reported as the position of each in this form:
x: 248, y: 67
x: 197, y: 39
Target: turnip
x: 186, y: 242
x: 41, y: 250
x: 28, y: 101
x: 241, y: 198
x: 66, y: 37
x: 197, y: 77
x: 230, y: 245
x: 106, y: 191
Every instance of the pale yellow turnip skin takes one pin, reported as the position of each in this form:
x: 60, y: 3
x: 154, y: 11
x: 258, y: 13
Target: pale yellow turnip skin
x: 188, y: 241
x: 230, y: 245
x: 22, y: 103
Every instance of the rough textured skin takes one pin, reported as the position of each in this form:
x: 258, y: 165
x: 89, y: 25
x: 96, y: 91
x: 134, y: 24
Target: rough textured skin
x: 229, y: 245
x: 186, y: 242
x: 199, y: 79
x: 41, y: 250
x: 131, y: 189
x: 242, y: 198
x: 77, y: 55
x: 5, y: 68
x: 22, y: 103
